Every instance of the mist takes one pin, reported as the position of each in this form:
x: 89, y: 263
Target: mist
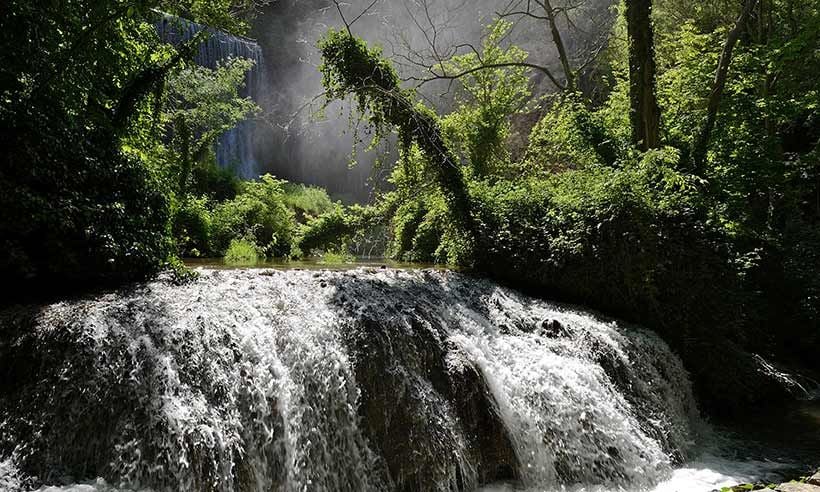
x: 297, y: 144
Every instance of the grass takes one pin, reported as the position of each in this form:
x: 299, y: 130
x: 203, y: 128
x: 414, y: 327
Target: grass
x: 336, y: 257
x: 307, y: 200
x: 242, y: 252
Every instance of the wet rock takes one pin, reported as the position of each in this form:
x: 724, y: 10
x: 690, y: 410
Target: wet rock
x: 730, y: 380
x: 384, y: 382
x: 426, y: 409
x: 478, y: 411
x: 797, y: 487
x: 814, y: 479
x: 553, y: 328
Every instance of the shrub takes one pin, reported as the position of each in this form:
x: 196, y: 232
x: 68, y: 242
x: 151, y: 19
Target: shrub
x: 336, y: 229
x: 307, y: 201
x: 569, y: 136
x: 76, y: 209
x: 191, y: 227
x: 241, y: 251
x: 336, y: 257
x: 419, y: 227
x: 217, y: 183
x: 259, y: 214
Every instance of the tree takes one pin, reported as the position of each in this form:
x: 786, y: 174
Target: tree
x: 75, y: 79
x: 201, y: 105
x: 644, y: 112
x: 719, y: 83
x: 571, y: 61
x: 349, y: 67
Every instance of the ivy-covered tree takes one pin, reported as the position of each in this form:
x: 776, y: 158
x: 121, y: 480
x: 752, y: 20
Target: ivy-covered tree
x: 349, y: 67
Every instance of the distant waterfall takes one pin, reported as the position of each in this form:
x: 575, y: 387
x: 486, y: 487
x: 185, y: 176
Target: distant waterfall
x: 235, y: 148
x: 369, y: 379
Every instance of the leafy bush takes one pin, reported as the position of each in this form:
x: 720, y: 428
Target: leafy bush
x: 569, y: 136
x: 336, y: 229
x: 420, y: 230
x: 258, y: 213
x: 336, y: 257
x: 75, y: 208
x: 480, y: 125
x: 84, y: 213
x: 191, y: 227
x: 216, y: 183
x: 241, y: 251
x: 307, y: 201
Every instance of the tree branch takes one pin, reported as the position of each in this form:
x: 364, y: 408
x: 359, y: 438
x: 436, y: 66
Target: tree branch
x: 488, y: 66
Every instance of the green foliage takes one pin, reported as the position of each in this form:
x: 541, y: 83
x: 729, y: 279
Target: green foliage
x: 88, y: 183
x: 480, y: 125
x: 349, y: 67
x: 74, y: 205
x: 228, y: 15
x: 762, y: 167
x: 259, y: 214
x: 180, y: 274
x: 630, y: 240
x: 191, y: 227
x: 337, y: 228
x: 86, y: 218
x: 336, y: 257
x: 307, y: 201
x: 241, y: 252
x: 569, y: 136
x: 201, y: 105
x: 216, y: 183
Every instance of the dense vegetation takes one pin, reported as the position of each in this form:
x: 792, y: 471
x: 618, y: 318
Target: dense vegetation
x: 690, y: 202
x: 679, y: 185
x: 108, y: 169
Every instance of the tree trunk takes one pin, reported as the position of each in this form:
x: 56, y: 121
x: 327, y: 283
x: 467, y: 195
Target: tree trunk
x: 644, y: 112
x: 719, y: 83
x: 569, y: 75
x: 185, y: 149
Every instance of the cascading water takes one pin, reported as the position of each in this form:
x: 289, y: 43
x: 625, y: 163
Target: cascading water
x: 235, y: 149
x: 368, y: 379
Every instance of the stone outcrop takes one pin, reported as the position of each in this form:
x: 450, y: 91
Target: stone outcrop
x: 426, y: 408
x: 806, y: 484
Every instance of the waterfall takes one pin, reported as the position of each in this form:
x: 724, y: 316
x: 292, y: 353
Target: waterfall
x: 367, y: 379
x: 236, y: 148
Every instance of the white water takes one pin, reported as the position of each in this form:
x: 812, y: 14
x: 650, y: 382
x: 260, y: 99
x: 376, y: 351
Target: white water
x: 250, y: 380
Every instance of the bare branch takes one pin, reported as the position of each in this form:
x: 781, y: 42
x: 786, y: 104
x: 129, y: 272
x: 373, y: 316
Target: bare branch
x: 374, y: 2
x: 488, y: 66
